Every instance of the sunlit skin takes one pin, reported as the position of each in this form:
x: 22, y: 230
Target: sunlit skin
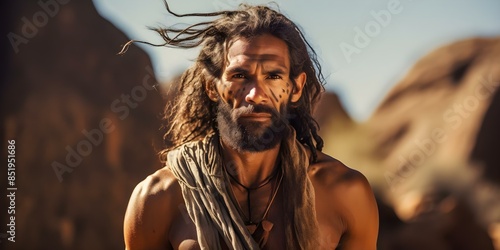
x: 257, y: 73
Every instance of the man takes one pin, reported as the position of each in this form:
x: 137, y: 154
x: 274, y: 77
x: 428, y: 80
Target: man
x: 243, y: 167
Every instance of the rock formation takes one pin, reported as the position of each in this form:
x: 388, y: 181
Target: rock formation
x: 85, y: 123
x: 435, y: 136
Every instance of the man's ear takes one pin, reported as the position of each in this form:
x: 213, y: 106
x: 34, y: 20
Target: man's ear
x: 210, y: 89
x: 300, y: 81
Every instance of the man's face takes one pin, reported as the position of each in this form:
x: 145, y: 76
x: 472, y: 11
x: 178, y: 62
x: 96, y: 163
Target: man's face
x: 254, y: 92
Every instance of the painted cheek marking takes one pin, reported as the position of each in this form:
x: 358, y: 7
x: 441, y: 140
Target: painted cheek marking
x: 275, y: 98
x: 238, y: 93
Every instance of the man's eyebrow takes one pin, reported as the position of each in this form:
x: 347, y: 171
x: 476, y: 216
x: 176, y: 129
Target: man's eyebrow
x: 273, y: 66
x: 275, y: 70
x: 236, y: 69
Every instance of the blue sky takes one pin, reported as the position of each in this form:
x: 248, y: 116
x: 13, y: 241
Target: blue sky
x: 365, y: 46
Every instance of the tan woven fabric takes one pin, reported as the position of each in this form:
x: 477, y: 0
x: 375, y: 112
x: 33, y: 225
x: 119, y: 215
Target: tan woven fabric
x: 199, y: 169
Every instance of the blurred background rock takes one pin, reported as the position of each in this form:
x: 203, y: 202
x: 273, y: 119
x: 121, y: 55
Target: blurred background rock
x: 64, y: 81
x: 430, y: 150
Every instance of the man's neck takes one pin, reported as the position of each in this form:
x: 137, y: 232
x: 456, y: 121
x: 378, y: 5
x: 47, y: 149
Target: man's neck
x: 250, y: 168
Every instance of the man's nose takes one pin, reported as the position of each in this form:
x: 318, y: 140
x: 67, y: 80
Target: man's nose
x: 257, y: 93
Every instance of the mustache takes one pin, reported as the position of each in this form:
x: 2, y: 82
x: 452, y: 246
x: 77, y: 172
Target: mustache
x: 237, y: 113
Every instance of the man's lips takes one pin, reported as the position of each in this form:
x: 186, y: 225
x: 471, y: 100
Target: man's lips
x: 256, y: 116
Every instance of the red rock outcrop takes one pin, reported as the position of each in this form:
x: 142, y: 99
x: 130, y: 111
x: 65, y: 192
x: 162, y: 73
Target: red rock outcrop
x: 76, y: 108
x: 436, y: 132
x: 436, y: 128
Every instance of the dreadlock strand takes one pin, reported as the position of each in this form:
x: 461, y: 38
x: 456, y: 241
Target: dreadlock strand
x: 210, y: 14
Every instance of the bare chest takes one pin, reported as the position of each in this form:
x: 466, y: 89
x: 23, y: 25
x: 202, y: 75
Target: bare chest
x: 183, y: 234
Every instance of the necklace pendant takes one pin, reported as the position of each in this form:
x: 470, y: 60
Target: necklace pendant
x: 267, y: 225
x: 264, y: 235
x: 251, y: 227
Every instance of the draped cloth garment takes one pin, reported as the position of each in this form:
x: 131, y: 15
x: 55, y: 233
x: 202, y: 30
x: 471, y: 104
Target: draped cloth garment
x: 198, y: 166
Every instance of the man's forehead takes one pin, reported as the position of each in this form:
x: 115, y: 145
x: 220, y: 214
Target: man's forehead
x: 242, y: 60
x: 263, y: 48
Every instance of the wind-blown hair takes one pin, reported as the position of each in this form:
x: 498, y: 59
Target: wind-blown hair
x: 192, y: 115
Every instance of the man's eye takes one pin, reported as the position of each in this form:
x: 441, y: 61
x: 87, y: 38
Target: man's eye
x: 238, y: 76
x: 274, y: 77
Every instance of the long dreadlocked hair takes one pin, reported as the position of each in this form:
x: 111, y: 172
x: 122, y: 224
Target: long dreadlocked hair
x: 191, y: 116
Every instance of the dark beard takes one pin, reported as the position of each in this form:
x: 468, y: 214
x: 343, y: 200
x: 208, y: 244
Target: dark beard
x: 250, y: 136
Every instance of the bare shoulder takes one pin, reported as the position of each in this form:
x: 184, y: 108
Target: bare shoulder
x: 151, y: 210
x: 345, y: 198
x: 329, y: 173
